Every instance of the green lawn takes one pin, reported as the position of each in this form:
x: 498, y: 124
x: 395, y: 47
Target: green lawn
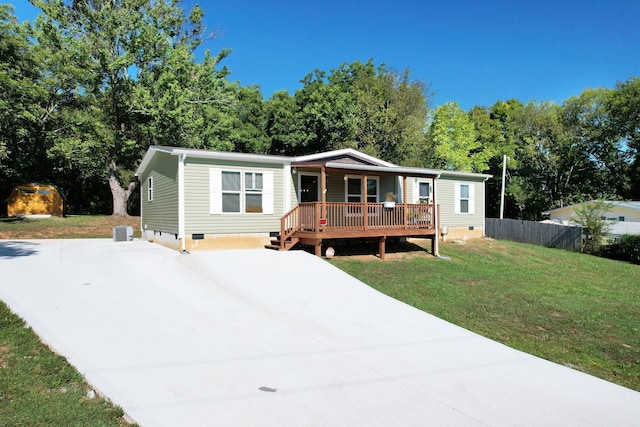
x: 39, y: 388
x: 574, y: 309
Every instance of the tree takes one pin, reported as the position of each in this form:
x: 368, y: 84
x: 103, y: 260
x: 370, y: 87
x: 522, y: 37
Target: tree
x: 591, y: 216
x: 452, y: 142
x: 357, y: 105
x: 624, y: 109
x: 121, y: 45
x: 21, y: 103
x: 391, y: 113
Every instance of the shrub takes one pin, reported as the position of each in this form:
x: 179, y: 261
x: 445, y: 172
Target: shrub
x: 627, y: 248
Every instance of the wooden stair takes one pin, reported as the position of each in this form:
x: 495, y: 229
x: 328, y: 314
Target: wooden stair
x: 278, y: 245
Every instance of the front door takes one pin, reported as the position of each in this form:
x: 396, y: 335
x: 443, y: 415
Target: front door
x: 309, y: 188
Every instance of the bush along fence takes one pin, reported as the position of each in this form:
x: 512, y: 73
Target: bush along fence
x: 550, y: 235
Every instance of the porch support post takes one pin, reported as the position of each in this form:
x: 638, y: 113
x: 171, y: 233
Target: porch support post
x: 323, y: 196
x: 436, y: 215
x: 404, y: 200
x: 318, y: 247
x: 365, y: 215
x: 382, y: 247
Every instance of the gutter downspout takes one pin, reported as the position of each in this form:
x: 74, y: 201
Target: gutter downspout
x: 484, y: 207
x: 181, y: 225
x: 436, y: 246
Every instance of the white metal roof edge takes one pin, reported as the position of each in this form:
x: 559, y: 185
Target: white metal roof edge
x: 207, y: 154
x: 627, y: 204
x: 381, y: 166
x: 351, y: 151
x: 407, y: 170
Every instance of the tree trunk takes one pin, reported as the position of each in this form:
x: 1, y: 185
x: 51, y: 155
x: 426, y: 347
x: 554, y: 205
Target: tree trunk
x: 119, y: 194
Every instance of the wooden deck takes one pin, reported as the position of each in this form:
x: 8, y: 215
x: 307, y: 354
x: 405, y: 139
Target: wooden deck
x: 311, y: 223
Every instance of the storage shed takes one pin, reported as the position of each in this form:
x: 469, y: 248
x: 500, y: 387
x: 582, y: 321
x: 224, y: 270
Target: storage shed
x: 35, y: 199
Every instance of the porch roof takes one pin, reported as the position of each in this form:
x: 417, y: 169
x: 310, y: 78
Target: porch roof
x: 380, y: 170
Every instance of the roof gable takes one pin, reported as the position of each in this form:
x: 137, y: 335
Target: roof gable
x: 346, y: 155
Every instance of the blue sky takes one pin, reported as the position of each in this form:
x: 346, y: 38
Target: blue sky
x: 471, y: 52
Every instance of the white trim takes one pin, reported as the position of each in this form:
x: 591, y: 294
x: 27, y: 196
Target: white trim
x: 344, y: 151
x: 215, y: 191
x: 267, y: 192
x: 181, y: 210
x: 416, y: 189
x: 471, y: 201
x: 359, y: 177
x: 150, y: 188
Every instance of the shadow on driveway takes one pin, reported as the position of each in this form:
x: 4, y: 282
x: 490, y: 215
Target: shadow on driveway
x: 13, y: 249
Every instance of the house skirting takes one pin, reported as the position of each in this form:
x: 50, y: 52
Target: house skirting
x: 462, y: 233
x: 194, y: 242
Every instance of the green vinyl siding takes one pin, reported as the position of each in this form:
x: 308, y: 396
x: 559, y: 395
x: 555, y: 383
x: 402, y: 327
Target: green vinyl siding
x: 446, y: 198
x: 198, y: 218
x: 161, y: 213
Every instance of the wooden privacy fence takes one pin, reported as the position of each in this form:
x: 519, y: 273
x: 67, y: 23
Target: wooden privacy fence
x: 536, y: 233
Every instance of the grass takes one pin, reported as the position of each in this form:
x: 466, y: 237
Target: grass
x: 574, y: 309
x: 39, y: 388
x: 69, y: 227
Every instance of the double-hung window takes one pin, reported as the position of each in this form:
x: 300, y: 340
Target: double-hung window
x: 253, y: 192
x: 234, y: 191
x: 424, y: 192
x: 150, y: 189
x: 464, y: 199
x: 231, y: 189
x: 354, y: 189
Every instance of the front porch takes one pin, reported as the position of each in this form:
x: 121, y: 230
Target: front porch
x: 312, y: 222
x: 340, y: 197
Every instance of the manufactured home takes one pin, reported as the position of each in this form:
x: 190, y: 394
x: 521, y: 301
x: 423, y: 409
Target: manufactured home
x: 198, y: 199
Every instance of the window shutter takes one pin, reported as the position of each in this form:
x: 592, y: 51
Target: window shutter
x: 416, y: 191
x: 471, y: 198
x: 215, y: 191
x: 457, y: 199
x: 267, y: 192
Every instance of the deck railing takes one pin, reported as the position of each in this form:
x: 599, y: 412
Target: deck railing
x: 354, y: 217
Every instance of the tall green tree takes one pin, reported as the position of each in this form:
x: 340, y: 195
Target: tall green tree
x: 121, y: 45
x: 452, y: 142
x: 22, y: 104
x: 624, y: 109
x: 391, y: 113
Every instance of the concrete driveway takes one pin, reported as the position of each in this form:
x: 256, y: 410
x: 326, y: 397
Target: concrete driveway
x: 262, y: 338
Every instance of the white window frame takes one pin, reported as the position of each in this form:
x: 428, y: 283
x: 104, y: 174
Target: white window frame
x: 359, y: 177
x: 216, y: 192
x: 150, y: 189
x: 239, y: 191
x: 250, y: 188
x: 416, y: 191
x: 470, y: 199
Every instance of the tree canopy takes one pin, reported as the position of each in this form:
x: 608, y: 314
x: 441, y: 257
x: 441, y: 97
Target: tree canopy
x: 90, y: 85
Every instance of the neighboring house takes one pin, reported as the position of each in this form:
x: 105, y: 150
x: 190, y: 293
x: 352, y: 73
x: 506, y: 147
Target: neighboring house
x: 623, y: 217
x: 35, y: 199
x: 196, y: 199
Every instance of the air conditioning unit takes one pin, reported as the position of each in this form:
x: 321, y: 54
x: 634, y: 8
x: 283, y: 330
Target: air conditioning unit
x: 122, y: 233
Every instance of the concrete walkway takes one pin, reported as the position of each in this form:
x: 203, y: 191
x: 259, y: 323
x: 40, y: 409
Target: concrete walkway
x: 262, y: 338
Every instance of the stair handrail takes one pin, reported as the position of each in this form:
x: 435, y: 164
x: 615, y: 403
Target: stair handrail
x: 289, y: 224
